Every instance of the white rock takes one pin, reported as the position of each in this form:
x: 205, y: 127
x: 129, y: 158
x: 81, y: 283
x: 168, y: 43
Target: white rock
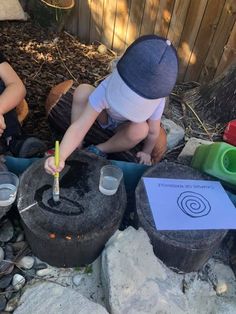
x: 18, y: 282
x: 221, y: 288
x: 102, y: 49
x: 1, y: 254
x: 26, y: 262
x: 20, y: 237
x: 186, y: 155
x: 135, y: 281
x: 76, y: 280
x: 12, y: 304
x: 52, y: 298
x: 225, y: 277
x: 174, y: 132
x: 44, y: 272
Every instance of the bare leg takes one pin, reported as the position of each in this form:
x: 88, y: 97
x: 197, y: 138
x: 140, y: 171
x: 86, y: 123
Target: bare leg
x: 126, y: 137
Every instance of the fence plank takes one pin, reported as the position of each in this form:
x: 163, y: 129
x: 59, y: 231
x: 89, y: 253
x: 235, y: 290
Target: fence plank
x: 177, y: 21
x: 149, y: 17
x: 223, y: 30
x: 164, y: 17
x: 204, y: 38
x: 96, y: 7
x: 122, y: 18
x: 135, y: 19
x: 203, y: 31
x: 190, y: 31
x: 84, y: 20
x: 229, y: 54
x: 109, y: 18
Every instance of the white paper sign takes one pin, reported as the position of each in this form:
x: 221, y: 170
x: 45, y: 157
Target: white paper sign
x: 189, y: 204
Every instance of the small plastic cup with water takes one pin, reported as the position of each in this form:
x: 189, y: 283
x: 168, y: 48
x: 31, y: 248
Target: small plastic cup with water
x: 8, y: 188
x: 110, y: 178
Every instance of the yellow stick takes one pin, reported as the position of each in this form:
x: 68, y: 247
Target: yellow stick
x: 56, y: 189
x: 57, y: 156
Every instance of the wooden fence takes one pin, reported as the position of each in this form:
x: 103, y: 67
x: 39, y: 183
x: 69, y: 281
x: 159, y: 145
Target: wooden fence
x: 203, y: 31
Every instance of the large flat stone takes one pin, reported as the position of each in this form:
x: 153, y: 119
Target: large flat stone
x: 135, y: 281
x: 175, y: 133
x: 52, y: 298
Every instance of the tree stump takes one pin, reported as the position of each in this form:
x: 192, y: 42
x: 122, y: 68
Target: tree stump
x: 186, y: 251
x: 74, y: 231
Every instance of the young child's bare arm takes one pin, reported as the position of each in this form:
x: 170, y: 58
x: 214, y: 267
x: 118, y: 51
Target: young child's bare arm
x: 150, y: 141
x: 14, y: 92
x: 72, y: 138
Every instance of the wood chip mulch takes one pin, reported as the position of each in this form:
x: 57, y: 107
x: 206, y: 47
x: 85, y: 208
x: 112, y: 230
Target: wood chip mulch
x: 43, y: 59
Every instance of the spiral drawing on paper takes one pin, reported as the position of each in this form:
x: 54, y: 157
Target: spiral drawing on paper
x: 193, y: 204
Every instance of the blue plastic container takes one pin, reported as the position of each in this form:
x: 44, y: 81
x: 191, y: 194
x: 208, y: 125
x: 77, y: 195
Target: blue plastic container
x: 132, y: 171
x: 18, y: 165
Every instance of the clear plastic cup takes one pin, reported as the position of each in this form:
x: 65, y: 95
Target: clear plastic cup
x: 8, y: 188
x: 110, y: 177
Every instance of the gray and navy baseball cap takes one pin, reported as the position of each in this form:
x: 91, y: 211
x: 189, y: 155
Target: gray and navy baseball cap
x: 146, y: 72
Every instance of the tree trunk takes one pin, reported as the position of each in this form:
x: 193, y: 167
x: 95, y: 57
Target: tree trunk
x: 215, y: 101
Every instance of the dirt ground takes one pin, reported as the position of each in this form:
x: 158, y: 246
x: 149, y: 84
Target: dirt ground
x: 43, y: 59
